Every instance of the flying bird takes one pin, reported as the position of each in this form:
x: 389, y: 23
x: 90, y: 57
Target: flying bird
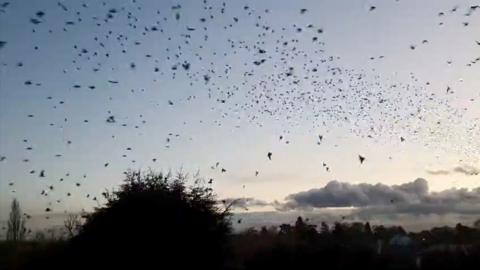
x: 361, y: 159
x: 111, y: 119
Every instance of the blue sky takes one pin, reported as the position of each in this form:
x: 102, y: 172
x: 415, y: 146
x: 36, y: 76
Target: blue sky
x: 240, y: 132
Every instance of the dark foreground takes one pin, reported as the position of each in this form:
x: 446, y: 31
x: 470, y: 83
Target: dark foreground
x: 299, y: 246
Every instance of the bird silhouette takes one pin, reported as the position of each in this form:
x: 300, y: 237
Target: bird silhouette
x: 361, y: 159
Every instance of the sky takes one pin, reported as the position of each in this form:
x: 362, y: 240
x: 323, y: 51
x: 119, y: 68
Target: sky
x: 89, y: 89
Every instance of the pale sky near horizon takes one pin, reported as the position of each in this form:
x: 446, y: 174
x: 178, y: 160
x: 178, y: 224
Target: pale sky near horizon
x: 237, y: 133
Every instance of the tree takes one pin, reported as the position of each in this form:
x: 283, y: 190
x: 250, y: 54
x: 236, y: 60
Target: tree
x: 154, y: 219
x: 16, y: 223
x: 72, y: 224
x: 476, y: 224
x: 324, y: 228
x: 300, y: 224
x: 40, y: 236
x: 368, y: 229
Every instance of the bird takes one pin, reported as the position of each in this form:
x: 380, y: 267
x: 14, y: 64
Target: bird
x: 111, y: 119
x: 269, y: 155
x: 320, y: 138
x: 35, y: 21
x: 40, y: 13
x: 361, y: 158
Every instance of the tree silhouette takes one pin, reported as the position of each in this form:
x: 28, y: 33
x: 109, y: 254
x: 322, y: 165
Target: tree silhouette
x: 324, y: 228
x: 72, y: 224
x: 16, y: 223
x: 476, y: 224
x: 154, y: 219
x: 368, y: 229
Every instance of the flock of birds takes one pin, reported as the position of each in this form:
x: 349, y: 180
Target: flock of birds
x: 283, y: 74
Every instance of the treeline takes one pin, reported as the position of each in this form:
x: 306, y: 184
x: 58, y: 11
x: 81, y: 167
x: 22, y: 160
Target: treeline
x: 356, y: 246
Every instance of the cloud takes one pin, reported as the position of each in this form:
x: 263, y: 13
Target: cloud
x: 467, y: 170
x: 438, y: 172
x: 340, y: 194
x: 411, y: 198
x: 245, y: 203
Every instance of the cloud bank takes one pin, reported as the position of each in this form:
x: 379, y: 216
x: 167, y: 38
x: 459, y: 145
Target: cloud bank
x: 411, y: 204
x: 409, y: 198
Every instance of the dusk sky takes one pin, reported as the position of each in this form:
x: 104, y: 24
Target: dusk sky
x: 89, y: 89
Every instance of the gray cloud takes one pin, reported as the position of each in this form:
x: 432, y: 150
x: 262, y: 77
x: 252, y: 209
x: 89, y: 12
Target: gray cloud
x: 340, y: 194
x: 466, y: 169
x: 379, y: 199
x: 245, y: 203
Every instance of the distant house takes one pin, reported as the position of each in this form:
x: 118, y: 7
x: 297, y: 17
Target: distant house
x: 400, y: 241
